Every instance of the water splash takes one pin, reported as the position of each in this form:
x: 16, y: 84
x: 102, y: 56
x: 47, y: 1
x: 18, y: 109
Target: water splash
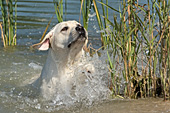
x: 35, y: 66
x: 87, y: 87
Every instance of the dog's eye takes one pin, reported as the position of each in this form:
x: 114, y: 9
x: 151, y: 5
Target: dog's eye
x: 65, y: 29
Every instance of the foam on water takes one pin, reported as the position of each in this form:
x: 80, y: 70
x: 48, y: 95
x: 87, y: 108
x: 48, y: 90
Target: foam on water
x: 87, y: 87
x: 35, y: 66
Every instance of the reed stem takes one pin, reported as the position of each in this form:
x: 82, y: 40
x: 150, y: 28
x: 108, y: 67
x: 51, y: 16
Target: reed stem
x: 9, y: 27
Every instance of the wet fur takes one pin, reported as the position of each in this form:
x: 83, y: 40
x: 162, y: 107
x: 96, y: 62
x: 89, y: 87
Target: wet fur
x: 65, y: 50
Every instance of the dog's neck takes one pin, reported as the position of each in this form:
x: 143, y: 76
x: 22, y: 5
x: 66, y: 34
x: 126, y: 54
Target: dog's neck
x: 58, y: 61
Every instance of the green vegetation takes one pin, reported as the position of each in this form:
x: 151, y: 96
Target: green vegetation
x: 137, y: 34
x: 9, y: 25
x: 58, y: 5
x: 85, y: 10
x: 140, y: 29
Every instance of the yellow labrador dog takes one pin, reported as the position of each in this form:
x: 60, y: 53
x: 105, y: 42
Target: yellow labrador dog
x: 66, y: 42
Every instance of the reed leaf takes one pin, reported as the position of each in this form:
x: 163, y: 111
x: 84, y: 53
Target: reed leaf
x: 109, y: 6
x: 2, y: 35
x: 58, y: 5
x: 99, y: 20
x: 9, y: 27
x: 46, y: 28
x: 85, y: 10
x: 130, y: 33
x: 110, y: 62
x: 109, y: 22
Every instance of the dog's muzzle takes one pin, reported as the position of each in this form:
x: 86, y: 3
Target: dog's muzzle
x: 82, y: 35
x: 81, y: 31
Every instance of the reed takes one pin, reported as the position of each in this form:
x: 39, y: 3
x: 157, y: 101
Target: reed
x: 9, y: 24
x: 141, y: 33
x: 168, y: 45
x: 58, y: 5
x: 137, y: 35
x: 99, y: 21
x: 164, y: 47
x: 85, y: 10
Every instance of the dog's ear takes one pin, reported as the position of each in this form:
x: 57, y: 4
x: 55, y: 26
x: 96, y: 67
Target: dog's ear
x: 45, y: 43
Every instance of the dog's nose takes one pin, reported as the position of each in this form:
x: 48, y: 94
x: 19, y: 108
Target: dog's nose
x: 80, y: 30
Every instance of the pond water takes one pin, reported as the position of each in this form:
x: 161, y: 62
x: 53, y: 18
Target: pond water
x: 20, y: 65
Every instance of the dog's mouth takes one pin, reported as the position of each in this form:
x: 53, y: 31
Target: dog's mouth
x: 80, y: 38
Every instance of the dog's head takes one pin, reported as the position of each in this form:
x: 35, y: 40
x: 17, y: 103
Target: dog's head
x: 65, y: 35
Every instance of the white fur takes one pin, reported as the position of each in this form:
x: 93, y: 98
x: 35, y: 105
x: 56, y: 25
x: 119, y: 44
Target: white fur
x: 57, y: 72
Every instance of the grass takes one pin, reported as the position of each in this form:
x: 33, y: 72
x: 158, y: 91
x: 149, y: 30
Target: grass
x: 9, y: 24
x: 135, y: 33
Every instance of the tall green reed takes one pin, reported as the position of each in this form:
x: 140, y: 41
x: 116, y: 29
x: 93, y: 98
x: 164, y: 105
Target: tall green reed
x: 164, y: 10
x: 140, y: 20
x: 58, y: 5
x: 102, y: 26
x: 168, y: 48
x: 85, y: 10
x: 9, y: 23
